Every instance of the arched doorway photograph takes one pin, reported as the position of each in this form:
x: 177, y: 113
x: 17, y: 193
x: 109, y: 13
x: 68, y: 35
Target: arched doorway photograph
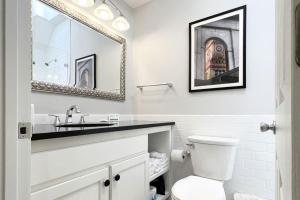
x: 216, y: 58
x: 217, y: 52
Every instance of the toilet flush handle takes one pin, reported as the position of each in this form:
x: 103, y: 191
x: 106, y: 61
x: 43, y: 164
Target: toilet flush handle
x: 190, y: 147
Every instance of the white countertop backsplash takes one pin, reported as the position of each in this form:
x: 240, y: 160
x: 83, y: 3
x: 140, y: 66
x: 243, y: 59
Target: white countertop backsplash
x: 46, y: 119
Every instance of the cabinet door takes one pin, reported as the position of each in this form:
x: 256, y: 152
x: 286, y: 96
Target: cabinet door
x: 130, y: 179
x: 87, y: 187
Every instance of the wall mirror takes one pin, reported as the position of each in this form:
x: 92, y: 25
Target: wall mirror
x: 73, y: 55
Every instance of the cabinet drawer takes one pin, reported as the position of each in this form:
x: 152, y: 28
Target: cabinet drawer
x: 51, y: 165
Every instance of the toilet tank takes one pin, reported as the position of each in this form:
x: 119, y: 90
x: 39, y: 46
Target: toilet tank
x: 213, y: 157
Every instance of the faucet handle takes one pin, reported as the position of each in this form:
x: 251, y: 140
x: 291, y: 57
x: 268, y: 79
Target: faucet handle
x: 82, y: 118
x: 77, y: 110
x: 57, y: 119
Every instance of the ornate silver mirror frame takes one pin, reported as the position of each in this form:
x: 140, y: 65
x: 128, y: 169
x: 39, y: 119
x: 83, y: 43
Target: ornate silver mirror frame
x: 70, y: 90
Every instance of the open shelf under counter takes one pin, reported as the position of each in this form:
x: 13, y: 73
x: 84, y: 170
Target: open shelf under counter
x: 162, y: 172
x: 162, y: 142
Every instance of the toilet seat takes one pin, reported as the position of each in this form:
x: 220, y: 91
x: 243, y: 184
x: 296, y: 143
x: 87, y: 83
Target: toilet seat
x: 198, y: 188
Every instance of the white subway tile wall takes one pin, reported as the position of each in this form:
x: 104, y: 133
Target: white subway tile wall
x: 254, y: 171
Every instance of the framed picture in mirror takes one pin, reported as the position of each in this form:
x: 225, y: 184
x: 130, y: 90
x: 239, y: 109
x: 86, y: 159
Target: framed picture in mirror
x: 218, y: 51
x: 85, y: 70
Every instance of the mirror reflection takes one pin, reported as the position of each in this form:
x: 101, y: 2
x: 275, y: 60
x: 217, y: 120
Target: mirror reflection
x: 67, y: 52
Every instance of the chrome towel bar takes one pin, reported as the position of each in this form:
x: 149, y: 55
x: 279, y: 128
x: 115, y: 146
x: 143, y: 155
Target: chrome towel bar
x: 170, y: 85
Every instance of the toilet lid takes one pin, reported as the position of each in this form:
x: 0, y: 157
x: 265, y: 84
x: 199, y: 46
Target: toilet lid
x: 198, y: 188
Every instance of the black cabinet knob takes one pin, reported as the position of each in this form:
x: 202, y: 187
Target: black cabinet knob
x: 117, y: 177
x: 106, y: 183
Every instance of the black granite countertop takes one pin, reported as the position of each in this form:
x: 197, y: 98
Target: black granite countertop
x: 48, y: 131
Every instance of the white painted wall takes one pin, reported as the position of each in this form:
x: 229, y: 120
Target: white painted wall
x: 1, y: 98
x: 55, y: 103
x: 161, y: 47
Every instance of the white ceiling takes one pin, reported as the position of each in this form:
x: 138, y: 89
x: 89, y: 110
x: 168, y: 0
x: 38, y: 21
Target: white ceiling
x: 136, y: 3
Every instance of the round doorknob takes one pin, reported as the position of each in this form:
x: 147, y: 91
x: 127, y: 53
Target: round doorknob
x: 268, y: 127
x: 106, y: 183
x: 117, y: 177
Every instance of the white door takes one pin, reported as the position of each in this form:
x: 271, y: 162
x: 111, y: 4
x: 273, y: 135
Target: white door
x: 92, y: 186
x: 130, y: 179
x: 287, y: 104
x: 17, y: 98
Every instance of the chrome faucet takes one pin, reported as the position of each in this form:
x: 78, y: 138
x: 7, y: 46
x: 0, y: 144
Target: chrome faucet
x: 69, y: 113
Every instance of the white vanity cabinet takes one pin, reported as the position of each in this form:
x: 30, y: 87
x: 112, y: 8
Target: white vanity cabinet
x: 116, y: 182
x: 105, y: 166
x: 110, y: 170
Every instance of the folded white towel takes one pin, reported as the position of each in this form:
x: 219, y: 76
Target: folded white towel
x: 156, y: 165
x: 155, y: 154
x: 158, y: 162
x: 164, y: 166
x: 164, y: 161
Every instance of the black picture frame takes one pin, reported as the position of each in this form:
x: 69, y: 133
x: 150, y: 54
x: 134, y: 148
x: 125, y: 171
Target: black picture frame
x: 242, y: 83
x: 92, y: 58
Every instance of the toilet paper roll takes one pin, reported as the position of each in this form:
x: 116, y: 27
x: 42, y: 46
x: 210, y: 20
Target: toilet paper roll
x: 178, y: 155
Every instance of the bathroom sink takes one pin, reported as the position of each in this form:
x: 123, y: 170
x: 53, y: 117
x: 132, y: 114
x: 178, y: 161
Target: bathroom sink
x: 85, y: 125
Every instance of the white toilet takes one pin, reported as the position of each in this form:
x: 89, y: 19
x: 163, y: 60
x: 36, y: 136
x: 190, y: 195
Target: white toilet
x: 213, y: 160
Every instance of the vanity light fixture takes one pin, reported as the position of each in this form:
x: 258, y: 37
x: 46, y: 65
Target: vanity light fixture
x: 104, y: 12
x: 84, y: 3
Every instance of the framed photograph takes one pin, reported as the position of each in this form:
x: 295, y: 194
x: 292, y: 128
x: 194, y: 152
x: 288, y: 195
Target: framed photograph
x: 85, y: 72
x: 218, y: 51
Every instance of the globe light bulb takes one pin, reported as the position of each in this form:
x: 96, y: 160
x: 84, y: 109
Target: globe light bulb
x: 121, y: 24
x: 104, y: 12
